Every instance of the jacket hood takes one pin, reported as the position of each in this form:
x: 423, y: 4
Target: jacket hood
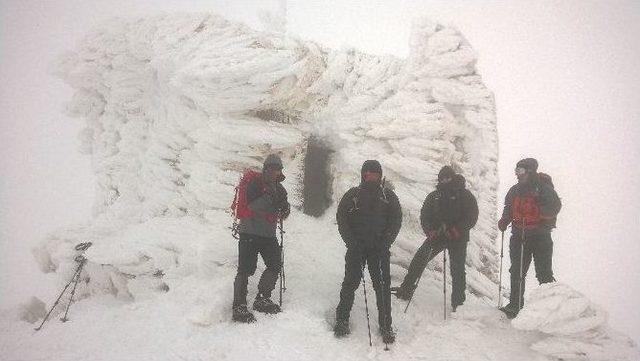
x: 371, y: 165
x: 273, y: 160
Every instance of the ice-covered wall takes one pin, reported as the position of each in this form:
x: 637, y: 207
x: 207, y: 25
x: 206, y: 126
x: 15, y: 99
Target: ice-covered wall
x: 176, y: 106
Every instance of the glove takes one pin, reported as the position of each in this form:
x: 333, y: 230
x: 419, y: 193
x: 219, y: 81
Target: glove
x: 453, y: 233
x: 284, y: 211
x: 432, y: 235
x: 503, y: 223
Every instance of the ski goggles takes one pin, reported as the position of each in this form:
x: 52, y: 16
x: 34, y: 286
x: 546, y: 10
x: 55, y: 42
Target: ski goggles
x: 520, y: 171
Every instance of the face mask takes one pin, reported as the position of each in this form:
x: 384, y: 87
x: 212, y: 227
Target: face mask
x: 371, y: 176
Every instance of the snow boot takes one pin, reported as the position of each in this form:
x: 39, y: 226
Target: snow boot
x: 388, y: 335
x: 242, y: 314
x: 265, y: 305
x: 341, y: 328
x: 403, y: 292
x: 510, y: 310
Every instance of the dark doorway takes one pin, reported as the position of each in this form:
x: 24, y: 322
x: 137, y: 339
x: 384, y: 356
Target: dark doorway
x: 317, y: 182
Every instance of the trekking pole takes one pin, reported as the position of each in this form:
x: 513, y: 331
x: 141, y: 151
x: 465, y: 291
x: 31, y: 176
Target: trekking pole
x: 500, y: 283
x: 283, y: 285
x: 419, y: 277
x: 383, y: 287
x: 444, y: 280
x: 82, y: 261
x: 521, y: 265
x: 366, y: 304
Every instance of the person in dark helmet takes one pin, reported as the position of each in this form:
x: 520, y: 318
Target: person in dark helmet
x: 447, y: 216
x: 267, y: 200
x: 531, y: 207
x: 369, y: 219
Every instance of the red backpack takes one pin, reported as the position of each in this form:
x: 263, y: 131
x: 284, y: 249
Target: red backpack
x: 526, y: 212
x: 240, y: 206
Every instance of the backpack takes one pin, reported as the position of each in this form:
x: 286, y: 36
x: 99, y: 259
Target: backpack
x: 525, y: 208
x: 546, y: 179
x: 240, y: 206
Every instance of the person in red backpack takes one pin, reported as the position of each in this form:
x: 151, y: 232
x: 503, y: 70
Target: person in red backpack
x: 266, y: 200
x: 531, y: 207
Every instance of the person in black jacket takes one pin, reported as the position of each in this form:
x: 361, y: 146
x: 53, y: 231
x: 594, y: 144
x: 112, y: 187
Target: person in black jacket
x: 369, y: 219
x: 531, y: 206
x: 447, y: 215
x: 267, y: 199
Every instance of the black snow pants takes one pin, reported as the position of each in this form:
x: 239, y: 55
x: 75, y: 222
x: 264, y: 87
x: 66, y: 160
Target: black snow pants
x: 428, y: 251
x: 378, y: 263
x: 248, y: 248
x: 538, y: 246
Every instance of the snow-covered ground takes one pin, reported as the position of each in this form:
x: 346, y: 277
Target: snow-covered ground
x: 192, y: 320
x: 174, y: 108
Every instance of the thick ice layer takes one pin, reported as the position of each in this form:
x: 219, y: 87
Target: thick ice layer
x: 178, y: 105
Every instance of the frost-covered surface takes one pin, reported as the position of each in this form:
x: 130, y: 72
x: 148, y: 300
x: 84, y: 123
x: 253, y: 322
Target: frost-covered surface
x: 578, y: 328
x: 176, y: 107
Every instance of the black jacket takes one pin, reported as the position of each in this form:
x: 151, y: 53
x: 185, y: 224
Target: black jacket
x: 369, y: 218
x: 451, y: 205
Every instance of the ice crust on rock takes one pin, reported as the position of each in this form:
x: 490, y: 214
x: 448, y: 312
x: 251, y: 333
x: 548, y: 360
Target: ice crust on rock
x: 177, y: 106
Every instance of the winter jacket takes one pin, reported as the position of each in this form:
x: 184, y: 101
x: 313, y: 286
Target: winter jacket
x: 369, y: 217
x: 533, y: 205
x: 265, y: 202
x: 451, y: 205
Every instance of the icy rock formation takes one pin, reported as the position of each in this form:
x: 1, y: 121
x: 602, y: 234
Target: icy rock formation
x: 177, y: 106
x: 577, y: 327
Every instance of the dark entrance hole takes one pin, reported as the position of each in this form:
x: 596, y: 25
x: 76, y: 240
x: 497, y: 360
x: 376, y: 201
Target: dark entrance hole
x: 316, y: 193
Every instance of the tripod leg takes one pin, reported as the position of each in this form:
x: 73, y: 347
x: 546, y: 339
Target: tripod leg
x: 57, y: 300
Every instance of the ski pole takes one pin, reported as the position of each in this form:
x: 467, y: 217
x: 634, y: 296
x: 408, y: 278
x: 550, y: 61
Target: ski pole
x: 419, y: 277
x: 366, y: 304
x: 383, y: 290
x: 444, y: 280
x: 500, y: 283
x: 283, y: 285
x: 82, y: 261
x: 521, y: 266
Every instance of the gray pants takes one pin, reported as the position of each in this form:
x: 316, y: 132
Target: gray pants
x: 249, y: 246
x: 457, y: 254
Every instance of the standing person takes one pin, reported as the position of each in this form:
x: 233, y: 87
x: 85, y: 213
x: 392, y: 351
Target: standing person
x: 531, y: 206
x: 447, y: 216
x: 266, y: 199
x: 369, y: 219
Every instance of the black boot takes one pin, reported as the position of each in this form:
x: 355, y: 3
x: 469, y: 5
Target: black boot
x: 403, y: 292
x: 341, y: 328
x: 265, y: 305
x: 511, y: 310
x: 242, y: 314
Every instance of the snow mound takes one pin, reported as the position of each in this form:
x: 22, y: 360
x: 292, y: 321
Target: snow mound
x: 579, y: 327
